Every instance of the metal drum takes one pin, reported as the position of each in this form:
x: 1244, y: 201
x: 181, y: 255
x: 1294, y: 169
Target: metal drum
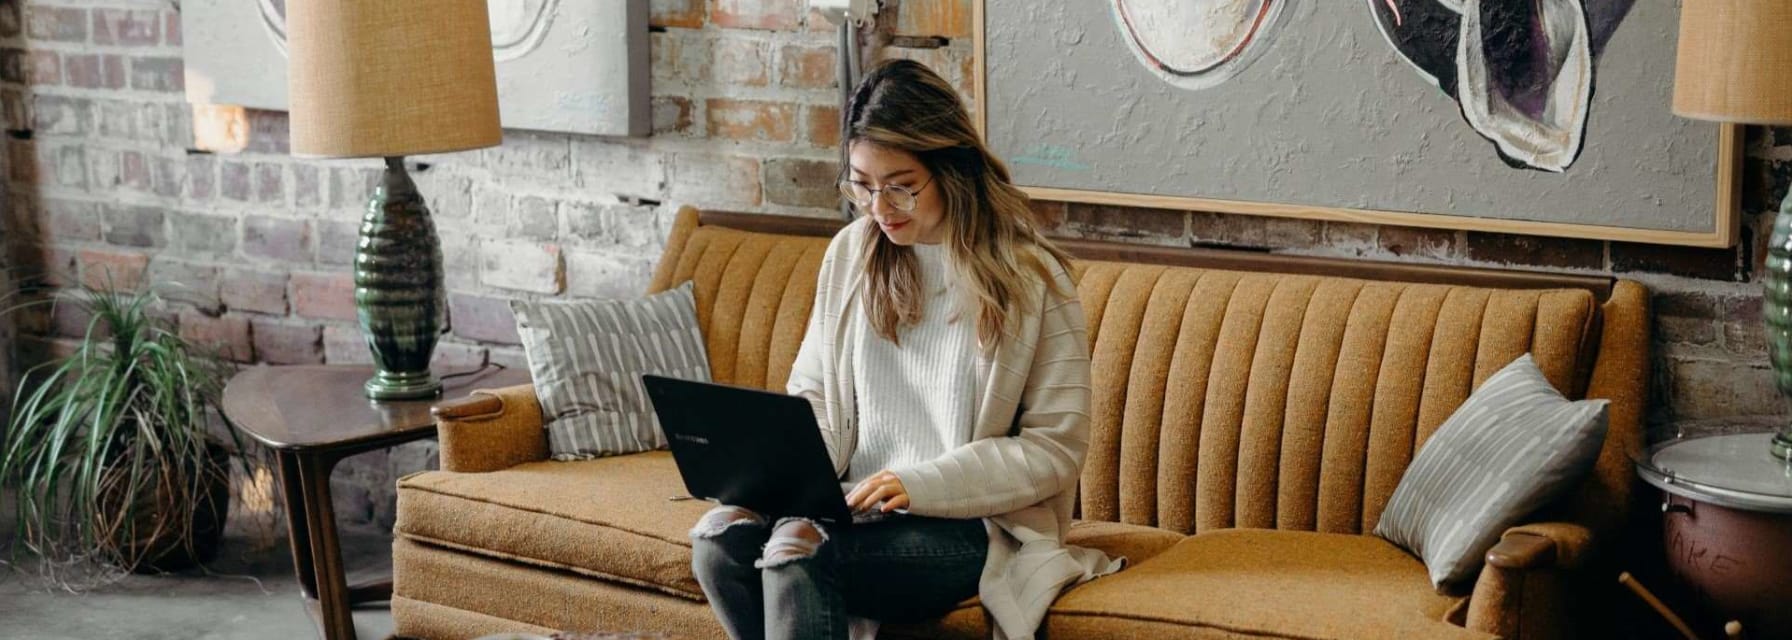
x: 1727, y: 526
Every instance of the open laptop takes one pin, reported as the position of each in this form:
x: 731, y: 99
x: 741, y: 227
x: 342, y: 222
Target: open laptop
x: 748, y: 448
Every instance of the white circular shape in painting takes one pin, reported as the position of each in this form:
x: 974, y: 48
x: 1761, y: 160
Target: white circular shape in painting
x: 518, y: 26
x: 1196, y: 44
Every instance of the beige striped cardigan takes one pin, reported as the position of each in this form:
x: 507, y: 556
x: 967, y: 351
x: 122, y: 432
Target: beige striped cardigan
x: 1020, y: 470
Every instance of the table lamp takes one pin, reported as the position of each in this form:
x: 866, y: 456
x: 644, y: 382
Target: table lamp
x: 1735, y: 65
x: 387, y: 79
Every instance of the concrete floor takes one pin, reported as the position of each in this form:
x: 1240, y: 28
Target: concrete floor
x: 226, y: 605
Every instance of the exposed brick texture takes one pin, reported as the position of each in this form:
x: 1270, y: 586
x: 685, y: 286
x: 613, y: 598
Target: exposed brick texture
x: 227, y: 336
x: 778, y: 15
x: 323, y: 296
x: 119, y: 175
x: 751, y: 120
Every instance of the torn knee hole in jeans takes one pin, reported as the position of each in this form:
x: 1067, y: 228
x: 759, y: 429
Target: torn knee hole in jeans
x: 792, y: 539
x: 722, y: 518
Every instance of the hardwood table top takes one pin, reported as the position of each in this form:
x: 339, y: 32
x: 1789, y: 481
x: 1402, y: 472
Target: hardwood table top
x: 321, y: 407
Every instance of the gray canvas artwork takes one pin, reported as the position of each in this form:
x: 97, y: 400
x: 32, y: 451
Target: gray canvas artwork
x: 235, y: 52
x: 575, y: 66
x: 1529, y: 110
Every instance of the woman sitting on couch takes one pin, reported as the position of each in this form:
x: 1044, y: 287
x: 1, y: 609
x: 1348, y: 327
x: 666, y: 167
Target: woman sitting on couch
x: 948, y: 363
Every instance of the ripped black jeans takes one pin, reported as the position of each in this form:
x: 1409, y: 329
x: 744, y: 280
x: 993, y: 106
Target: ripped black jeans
x: 794, y: 579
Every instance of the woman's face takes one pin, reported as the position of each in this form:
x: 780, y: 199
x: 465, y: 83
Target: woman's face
x: 878, y: 167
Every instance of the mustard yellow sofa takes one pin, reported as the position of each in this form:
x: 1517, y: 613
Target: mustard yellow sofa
x: 1252, y: 416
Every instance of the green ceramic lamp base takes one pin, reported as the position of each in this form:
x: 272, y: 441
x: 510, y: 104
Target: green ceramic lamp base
x: 399, y: 297
x: 403, y: 385
x: 1776, y: 309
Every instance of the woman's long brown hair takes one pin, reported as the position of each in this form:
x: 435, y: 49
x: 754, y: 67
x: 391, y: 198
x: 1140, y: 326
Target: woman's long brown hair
x: 990, y: 225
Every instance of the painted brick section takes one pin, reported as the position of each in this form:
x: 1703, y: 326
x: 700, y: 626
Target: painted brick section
x: 802, y: 183
x: 204, y: 234
x: 534, y: 155
x: 482, y: 318
x: 751, y: 119
x: 12, y: 21
x: 680, y: 59
x: 171, y: 28
x: 323, y: 296
x: 608, y: 274
x: 278, y: 342
x: 111, y: 270
x: 135, y: 226
x: 59, y: 24
x: 132, y: 28
x: 533, y: 218
x: 621, y: 168
x: 61, y: 116
x: 94, y: 70
x: 716, y: 181
x: 258, y: 291
x: 337, y: 241
x: 227, y: 336
x: 44, y: 67
x: 777, y: 15
x: 686, y: 14
x: 521, y: 266
x: 157, y: 74
x: 808, y: 67
x: 345, y: 345
x: 277, y: 238
x: 187, y: 282
x: 69, y: 219
x: 741, y: 62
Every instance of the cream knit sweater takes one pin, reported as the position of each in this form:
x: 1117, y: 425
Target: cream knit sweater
x: 1020, y: 470
x: 926, y: 399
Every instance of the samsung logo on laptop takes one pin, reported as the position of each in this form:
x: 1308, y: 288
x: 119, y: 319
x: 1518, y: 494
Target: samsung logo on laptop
x: 690, y: 438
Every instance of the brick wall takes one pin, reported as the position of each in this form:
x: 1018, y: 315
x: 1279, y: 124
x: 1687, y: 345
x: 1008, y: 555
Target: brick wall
x: 101, y: 179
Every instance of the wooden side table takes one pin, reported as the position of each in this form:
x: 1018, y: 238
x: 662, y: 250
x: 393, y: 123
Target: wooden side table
x: 313, y: 417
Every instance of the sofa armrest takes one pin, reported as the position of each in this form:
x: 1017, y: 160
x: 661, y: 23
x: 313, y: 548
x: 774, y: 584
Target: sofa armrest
x: 1542, y: 544
x: 491, y: 429
x: 1530, y: 578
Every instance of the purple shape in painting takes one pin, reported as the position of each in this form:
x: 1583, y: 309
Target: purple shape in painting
x: 1522, y: 70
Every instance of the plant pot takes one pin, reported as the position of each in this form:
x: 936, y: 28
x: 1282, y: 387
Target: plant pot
x: 172, y: 527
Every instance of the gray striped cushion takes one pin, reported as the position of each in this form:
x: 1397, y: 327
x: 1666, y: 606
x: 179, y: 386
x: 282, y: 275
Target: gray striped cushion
x: 587, y: 358
x: 1513, y: 446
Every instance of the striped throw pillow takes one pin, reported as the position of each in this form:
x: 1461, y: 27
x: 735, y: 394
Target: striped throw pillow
x: 587, y: 358
x: 1512, y: 447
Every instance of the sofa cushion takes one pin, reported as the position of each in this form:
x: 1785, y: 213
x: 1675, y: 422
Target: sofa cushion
x: 608, y: 517
x: 1263, y: 583
x: 1133, y: 542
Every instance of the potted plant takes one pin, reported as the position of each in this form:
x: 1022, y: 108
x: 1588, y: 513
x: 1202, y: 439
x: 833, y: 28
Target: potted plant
x: 108, y: 448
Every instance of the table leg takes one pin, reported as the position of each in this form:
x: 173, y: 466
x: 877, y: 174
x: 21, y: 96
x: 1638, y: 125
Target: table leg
x: 292, y: 491
x: 326, y: 552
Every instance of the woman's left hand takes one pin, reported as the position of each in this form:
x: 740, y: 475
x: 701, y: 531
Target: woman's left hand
x: 883, y: 487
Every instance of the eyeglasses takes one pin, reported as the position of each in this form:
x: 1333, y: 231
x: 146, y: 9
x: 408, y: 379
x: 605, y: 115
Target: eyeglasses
x: 895, y: 195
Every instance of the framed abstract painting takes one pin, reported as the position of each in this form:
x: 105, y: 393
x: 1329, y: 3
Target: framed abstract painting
x: 1539, y: 117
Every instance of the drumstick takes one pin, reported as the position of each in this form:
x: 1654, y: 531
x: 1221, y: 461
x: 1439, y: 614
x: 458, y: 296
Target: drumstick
x: 1649, y: 598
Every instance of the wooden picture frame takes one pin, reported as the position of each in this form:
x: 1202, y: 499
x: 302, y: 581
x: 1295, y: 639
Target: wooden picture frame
x: 1722, y: 234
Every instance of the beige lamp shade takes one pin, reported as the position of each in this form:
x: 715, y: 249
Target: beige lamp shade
x: 390, y: 77
x: 1735, y: 61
